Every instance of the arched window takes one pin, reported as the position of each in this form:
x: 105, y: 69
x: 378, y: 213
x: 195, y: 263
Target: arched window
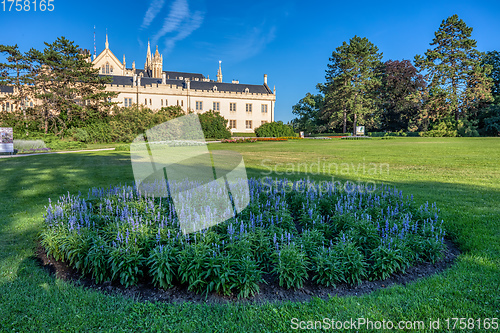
x: 111, y: 70
x: 103, y: 70
x: 107, y: 68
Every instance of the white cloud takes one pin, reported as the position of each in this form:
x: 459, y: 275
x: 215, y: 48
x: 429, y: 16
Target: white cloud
x: 189, y: 25
x: 179, y: 20
x: 248, y: 45
x: 152, y: 12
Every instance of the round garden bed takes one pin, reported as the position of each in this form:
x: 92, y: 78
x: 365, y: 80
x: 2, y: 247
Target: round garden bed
x: 293, y: 236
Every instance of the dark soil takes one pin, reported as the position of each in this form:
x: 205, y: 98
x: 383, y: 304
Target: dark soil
x: 270, y: 292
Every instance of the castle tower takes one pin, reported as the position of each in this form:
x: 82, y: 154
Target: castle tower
x: 219, y: 73
x: 154, y: 64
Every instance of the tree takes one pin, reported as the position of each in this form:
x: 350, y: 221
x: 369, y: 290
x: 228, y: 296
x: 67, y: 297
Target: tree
x: 399, y: 96
x: 488, y: 115
x: 352, y: 77
x: 16, y: 73
x: 457, y: 80
x: 67, y: 85
x: 308, y: 111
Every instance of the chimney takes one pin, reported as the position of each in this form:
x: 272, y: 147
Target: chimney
x: 164, y: 78
x: 139, y: 81
x: 235, y: 82
x: 134, y: 81
x: 265, y: 79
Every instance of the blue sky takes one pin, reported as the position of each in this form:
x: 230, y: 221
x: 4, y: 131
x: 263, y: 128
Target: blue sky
x: 290, y: 41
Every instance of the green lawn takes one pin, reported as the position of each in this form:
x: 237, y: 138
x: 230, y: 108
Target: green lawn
x: 462, y: 175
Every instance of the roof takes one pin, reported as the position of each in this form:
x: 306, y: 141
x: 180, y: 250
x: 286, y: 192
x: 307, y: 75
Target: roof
x: 231, y: 87
x: 173, y: 75
x: 7, y: 89
x: 196, y: 85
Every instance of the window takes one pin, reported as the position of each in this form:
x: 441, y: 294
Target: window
x: 31, y: 104
x: 128, y: 102
x: 177, y: 102
x: 248, y: 124
x: 107, y: 68
x: 232, y: 107
x: 249, y: 107
x: 145, y: 101
x: 263, y: 122
x: 103, y: 69
x: 3, y: 107
x: 216, y: 106
x: 166, y: 102
x: 199, y: 106
x: 161, y: 102
x: 263, y: 108
x: 232, y: 123
x: 182, y: 102
x: 111, y: 70
x: 150, y: 102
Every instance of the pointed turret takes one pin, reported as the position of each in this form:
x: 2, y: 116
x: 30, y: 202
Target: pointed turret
x: 148, y: 56
x: 106, y: 44
x: 219, y: 73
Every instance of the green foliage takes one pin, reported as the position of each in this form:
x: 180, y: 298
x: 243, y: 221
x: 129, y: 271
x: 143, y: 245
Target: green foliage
x: 326, y: 268
x: 275, y: 129
x: 79, y: 134
x: 214, y: 125
x: 386, y: 261
x: 122, y: 148
x: 290, y: 264
x: 352, y: 80
x: 458, y: 81
x: 350, y: 260
x: 97, y: 260
x: 126, y: 264
x: 163, y: 265
x: 308, y: 111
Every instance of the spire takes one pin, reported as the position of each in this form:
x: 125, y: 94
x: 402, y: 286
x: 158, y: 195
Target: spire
x: 157, y: 54
x: 274, y: 89
x: 148, y: 57
x: 107, y: 44
x: 124, y: 64
x: 219, y: 73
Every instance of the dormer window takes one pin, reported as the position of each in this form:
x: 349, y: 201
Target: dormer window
x: 247, y: 90
x: 214, y: 88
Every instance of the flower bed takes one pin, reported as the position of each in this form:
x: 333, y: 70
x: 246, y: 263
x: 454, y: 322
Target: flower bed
x: 272, y: 139
x: 250, y: 140
x: 291, y: 231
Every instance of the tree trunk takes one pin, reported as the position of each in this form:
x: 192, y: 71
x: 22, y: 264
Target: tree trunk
x: 345, y: 122
x: 355, y: 120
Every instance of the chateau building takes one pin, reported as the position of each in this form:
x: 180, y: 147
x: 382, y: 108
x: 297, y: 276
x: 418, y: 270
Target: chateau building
x: 245, y: 106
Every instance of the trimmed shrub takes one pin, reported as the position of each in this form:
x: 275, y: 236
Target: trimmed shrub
x: 214, y: 125
x: 275, y: 129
